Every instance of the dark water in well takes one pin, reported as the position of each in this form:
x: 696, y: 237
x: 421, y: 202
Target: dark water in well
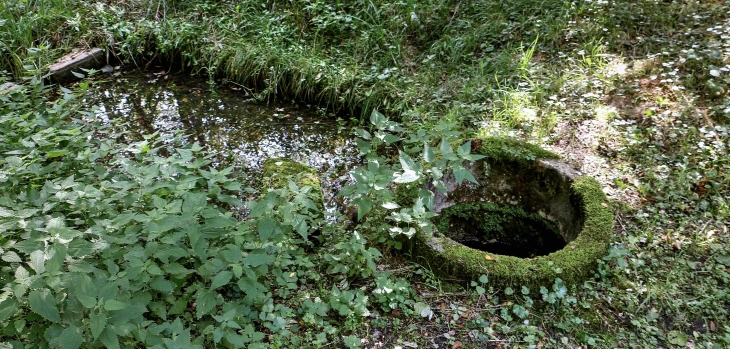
x: 500, y: 229
x: 237, y: 129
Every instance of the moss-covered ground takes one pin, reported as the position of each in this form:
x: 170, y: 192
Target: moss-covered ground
x: 634, y: 93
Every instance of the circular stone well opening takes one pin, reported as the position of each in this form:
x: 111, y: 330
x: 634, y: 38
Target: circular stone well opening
x: 531, y: 218
x: 500, y: 229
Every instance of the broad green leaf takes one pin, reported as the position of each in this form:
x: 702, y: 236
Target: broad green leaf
x: 390, y: 205
x: 233, y: 186
x: 352, y: 342
x: 460, y: 174
x: 4, y: 213
x: 428, y: 154
x: 97, y: 323
x: 80, y: 248
x: 446, y: 148
x: 723, y: 259
x: 159, y: 309
x: 71, y: 338
x: 237, y: 270
x: 68, y: 182
x: 464, y: 149
x: 407, y: 162
x: 37, y: 261
x: 109, y: 338
x: 11, y: 257
x: 171, y: 252
x: 193, y: 203
x: 250, y: 287
x: 162, y: 285
x: 8, y: 307
x: 177, y: 269
x: 28, y: 246
x: 256, y: 259
x: 56, y: 153
x: 232, y: 254
x: 407, y: 176
x: 229, y: 315
x: 215, y: 223
x: 469, y: 177
x: 300, y: 225
x: 21, y: 274
x: 178, y: 307
x: 86, y: 301
x: 377, y: 119
x: 168, y: 223
x: 363, y: 207
x: 132, y: 311
x: 19, y: 325
x: 205, y: 302
x: 423, y: 309
x: 363, y: 146
x: 52, y: 335
x: 218, y: 334
x: 677, y: 338
x: 43, y: 303
x: 266, y: 227
x: 114, y: 304
x: 153, y: 269
x: 28, y: 212
x: 363, y: 134
x: 390, y: 139
x: 221, y: 279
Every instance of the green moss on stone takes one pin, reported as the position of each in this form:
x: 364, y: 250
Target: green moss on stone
x: 278, y: 172
x: 453, y: 260
x: 501, y: 149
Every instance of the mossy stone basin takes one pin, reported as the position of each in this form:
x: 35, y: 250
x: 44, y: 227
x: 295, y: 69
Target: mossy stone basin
x: 531, y: 218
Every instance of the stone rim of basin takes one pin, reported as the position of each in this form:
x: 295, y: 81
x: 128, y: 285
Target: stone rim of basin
x: 587, y: 241
x: 71, y: 66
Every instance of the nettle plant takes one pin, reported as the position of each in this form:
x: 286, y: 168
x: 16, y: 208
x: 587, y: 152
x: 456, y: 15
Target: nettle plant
x: 143, y: 245
x: 378, y: 183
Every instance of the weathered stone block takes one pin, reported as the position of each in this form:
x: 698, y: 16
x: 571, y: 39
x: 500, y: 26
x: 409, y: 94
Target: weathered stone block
x: 63, y: 70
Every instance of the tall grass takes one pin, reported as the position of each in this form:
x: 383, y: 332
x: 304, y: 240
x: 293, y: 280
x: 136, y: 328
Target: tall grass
x: 350, y: 56
x: 27, y: 28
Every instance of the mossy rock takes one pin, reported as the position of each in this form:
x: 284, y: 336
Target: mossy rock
x: 278, y: 172
x: 518, y: 182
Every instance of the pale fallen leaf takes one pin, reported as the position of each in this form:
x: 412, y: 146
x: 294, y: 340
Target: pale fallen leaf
x: 489, y: 258
x: 457, y: 344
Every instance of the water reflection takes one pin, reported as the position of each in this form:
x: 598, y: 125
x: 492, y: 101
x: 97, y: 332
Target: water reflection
x: 237, y: 131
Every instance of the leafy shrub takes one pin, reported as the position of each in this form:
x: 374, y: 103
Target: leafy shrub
x: 114, y: 245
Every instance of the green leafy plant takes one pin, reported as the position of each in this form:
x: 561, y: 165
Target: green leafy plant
x: 375, y: 183
x: 141, y: 244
